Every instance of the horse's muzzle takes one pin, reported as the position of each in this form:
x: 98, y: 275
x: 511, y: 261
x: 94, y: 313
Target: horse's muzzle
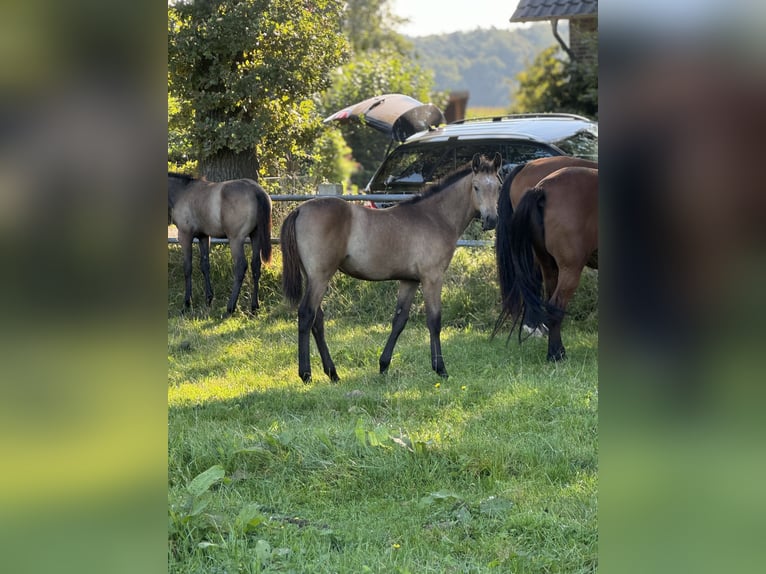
x: 488, y: 223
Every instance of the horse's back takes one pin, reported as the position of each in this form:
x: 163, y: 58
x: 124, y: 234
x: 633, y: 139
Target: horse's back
x: 537, y: 169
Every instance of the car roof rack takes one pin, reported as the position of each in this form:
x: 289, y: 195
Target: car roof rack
x: 520, y: 116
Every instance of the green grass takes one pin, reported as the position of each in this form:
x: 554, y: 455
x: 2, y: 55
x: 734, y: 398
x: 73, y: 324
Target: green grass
x: 492, y: 470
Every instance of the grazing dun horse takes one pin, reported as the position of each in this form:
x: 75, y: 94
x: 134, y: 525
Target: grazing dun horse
x: 239, y: 210
x: 412, y: 242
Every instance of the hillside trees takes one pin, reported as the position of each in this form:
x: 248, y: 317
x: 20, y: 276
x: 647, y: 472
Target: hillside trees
x: 483, y: 62
x: 244, y: 74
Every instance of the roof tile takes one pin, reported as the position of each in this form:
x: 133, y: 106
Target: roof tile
x: 529, y: 10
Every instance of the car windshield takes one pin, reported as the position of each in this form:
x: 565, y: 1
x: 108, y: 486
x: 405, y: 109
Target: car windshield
x: 410, y: 167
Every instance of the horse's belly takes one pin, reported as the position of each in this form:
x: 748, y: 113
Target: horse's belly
x: 380, y: 271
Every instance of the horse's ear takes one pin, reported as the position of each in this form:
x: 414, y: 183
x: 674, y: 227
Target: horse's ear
x: 476, y: 162
x: 498, y: 161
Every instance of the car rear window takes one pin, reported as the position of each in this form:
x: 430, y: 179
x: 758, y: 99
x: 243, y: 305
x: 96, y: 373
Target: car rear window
x: 582, y: 144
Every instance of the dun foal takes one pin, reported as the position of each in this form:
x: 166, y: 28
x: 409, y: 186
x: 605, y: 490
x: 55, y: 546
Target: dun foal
x: 412, y: 242
x: 239, y: 210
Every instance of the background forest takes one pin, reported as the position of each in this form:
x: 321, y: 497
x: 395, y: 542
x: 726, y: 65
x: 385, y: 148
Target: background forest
x: 485, y: 62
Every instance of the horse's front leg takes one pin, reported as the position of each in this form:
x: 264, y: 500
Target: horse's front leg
x: 204, y: 265
x: 404, y: 299
x: 433, y: 299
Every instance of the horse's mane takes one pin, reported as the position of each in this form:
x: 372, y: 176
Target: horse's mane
x: 434, y: 188
x: 187, y: 178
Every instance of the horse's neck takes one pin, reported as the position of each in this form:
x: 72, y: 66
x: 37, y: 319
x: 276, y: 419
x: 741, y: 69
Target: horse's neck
x: 454, y: 204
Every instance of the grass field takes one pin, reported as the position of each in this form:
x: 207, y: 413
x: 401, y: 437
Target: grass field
x: 491, y: 470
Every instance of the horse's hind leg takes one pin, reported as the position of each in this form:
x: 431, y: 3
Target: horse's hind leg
x: 204, y: 265
x: 568, y: 279
x: 186, y: 247
x: 255, y: 268
x: 324, y: 352
x: 404, y: 299
x: 309, y: 312
x: 240, y: 268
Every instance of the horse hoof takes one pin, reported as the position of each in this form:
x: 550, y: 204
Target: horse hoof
x: 555, y: 357
x: 334, y: 376
x: 306, y: 377
x: 443, y: 374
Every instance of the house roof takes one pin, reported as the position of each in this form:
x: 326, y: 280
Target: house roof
x: 530, y: 10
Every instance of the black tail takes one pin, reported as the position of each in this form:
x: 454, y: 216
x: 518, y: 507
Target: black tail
x: 527, y: 229
x: 292, y: 281
x: 264, y: 224
x: 509, y: 294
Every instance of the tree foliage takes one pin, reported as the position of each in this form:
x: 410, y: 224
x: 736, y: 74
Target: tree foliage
x: 245, y: 74
x: 331, y: 155
x: 380, y: 63
x: 367, y: 75
x: 551, y: 84
x: 369, y: 26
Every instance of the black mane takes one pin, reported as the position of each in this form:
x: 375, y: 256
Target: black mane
x: 186, y: 178
x: 434, y: 188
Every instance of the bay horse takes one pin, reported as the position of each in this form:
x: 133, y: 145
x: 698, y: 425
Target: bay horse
x: 237, y: 209
x: 515, y: 184
x: 412, y: 242
x: 555, y: 225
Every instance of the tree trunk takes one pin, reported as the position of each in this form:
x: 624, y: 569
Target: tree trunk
x: 227, y: 164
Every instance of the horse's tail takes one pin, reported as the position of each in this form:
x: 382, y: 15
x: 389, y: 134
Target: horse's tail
x: 509, y: 295
x: 292, y: 281
x: 528, y: 229
x: 264, y: 224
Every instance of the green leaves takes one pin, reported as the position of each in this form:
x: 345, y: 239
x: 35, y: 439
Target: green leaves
x: 374, y: 438
x: 245, y: 69
x: 440, y: 497
x: 203, y: 481
x: 249, y: 518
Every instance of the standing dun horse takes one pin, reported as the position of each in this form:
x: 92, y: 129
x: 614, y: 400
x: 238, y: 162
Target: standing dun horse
x: 239, y: 210
x: 412, y: 242
x: 555, y: 225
